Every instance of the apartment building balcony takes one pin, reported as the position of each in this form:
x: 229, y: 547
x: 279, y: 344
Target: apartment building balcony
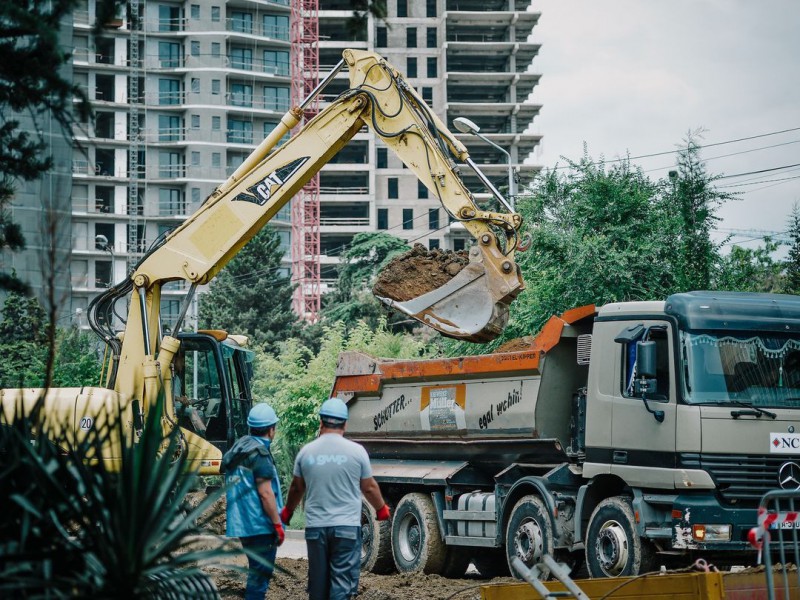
x: 483, y: 153
x: 490, y: 57
x: 485, y: 5
x: 279, y: 5
x: 481, y: 26
x: 490, y: 87
x: 253, y: 30
x: 495, y: 118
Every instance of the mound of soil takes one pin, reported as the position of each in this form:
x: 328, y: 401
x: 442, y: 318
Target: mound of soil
x: 515, y: 345
x: 213, y: 519
x: 418, y: 271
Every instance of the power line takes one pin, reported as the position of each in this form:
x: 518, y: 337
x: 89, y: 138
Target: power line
x: 698, y: 146
x: 673, y: 165
x: 733, y: 185
x: 759, y: 171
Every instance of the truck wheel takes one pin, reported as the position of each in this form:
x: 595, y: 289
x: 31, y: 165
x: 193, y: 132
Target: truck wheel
x: 529, y: 534
x: 491, y: 563
x: 416, y: 543
x: 376, y: 542
x: 613, y: 548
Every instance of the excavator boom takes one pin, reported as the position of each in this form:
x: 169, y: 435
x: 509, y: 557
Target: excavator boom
x: 472, y: 306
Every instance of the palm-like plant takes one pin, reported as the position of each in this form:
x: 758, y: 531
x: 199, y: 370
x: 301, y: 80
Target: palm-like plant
x: 72, y: 526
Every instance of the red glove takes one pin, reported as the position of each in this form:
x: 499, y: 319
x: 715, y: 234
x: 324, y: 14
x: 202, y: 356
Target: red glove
x: 383, y: 513
x: 286, y: 515
x: 279, y: 532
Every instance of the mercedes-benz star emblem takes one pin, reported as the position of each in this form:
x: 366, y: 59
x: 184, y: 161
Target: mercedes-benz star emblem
x: 789, y: 476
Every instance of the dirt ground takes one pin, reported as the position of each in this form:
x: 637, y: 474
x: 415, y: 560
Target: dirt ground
x: 289, y: 582
x: 418, y: 271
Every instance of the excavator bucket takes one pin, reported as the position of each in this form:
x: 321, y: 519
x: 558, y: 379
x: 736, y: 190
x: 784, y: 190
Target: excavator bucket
x: 472, y: 305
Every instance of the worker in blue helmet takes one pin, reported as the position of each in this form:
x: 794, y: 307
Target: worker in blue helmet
x: 332, y: 473
x: 254, y: 498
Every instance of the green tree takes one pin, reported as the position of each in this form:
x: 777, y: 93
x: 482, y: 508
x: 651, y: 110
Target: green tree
x: 698, y: 201
x: 352, y: 300
x: 751, y: 270
x: 76, y: 361
x: 251, y: 296
x: 23, y: 342
x: 793, y: 259
x: 297, y: 380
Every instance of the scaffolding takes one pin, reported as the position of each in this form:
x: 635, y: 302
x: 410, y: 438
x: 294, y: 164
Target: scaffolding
x: 305, y: 205
x: 134, y: 133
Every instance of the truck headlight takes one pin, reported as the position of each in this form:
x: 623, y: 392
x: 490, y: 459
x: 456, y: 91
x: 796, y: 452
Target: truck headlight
x: 711, y: 533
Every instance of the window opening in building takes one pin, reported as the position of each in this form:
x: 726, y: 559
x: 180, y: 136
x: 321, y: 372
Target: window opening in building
x: 104, y: 199
x: 216, y: 123
x: 276, y: 98
x: 382, y: 158
x: 433, y: 243
x: 169, y: 91
x: 408, y: 218
x: 195, y: 11
x: 195, y: 85
x: 215, y: 87
x: 276, y: 27
x: 383, y: 218
x: 432, y: 66
x: 241, y: 94
x: 169, y: 128
x: 195, y: 158
x: 427, y: 94
x: 242, y: 22
x: 411, y: 66
x: 411, y: 37
x: 216, y: 50
x: 104, y: 125
x: 170, y: 202
x: 433, y: 218
x: 430, y: 8
x: 169, y: 18
x: 380, y: 38
x: 216, y: 159
x: 195, y: 121
x: 240, y: 132
x: 104, y: 161
x: 169, y: 54
x: 402, y: 8
x: 170, y: 164
x: 102, y: 273
x: 195, y: 48
x: 459, y: 244
x: 422, y: 190
x: 215, y: 14
x: 430, y: 35
x: 393, y: 187
x: 242, y: 58
x: 276, y: 62
x: 104, y: 88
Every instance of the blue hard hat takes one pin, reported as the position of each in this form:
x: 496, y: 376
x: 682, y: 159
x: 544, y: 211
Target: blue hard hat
x: 262, y: 415
x: 334, y: 408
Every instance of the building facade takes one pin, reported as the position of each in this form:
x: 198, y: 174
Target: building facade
x: 183, y: 93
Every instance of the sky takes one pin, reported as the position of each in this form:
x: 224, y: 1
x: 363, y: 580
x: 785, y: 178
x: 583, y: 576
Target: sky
x: 635, y: 76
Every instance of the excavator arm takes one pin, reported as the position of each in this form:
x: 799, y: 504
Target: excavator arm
x: 473, y: 305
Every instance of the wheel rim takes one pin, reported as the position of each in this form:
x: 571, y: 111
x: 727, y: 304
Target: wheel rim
x: 612, y: 549
x: 409, y: 538
x: 529, y: 542
x: 366, y: 535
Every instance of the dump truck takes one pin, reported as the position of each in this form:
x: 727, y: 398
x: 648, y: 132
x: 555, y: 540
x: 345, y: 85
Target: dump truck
x: 471, y: 305
x: 627, y: 436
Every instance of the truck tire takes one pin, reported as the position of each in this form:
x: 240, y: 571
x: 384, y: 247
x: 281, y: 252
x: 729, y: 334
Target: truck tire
x: 529, y: 534
x: 491, y: 563
x: 613, y: 549
x: 416, y: 543
x: 376, y: 542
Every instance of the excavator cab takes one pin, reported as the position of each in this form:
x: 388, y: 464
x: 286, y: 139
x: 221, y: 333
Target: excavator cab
x: 211, y: 383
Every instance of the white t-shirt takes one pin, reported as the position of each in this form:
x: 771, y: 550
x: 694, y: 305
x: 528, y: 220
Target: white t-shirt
x: 332, y: 468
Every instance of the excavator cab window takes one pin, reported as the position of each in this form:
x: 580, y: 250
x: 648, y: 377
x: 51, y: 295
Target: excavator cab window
x: 205, y: 386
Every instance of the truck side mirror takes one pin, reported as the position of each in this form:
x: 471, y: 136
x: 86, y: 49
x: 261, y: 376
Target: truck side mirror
x: 646, y: 372
x: 646, y: 359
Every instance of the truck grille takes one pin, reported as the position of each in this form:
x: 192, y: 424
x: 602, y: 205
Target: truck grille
x: 741, y: 479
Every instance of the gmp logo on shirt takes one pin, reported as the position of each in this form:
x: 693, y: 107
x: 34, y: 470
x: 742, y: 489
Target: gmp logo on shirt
x: 324, y: 459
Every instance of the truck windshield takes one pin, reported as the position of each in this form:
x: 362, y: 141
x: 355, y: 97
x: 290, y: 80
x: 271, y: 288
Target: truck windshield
x: 763, y: 370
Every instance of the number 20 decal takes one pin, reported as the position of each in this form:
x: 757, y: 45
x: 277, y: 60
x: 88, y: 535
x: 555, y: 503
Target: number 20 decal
x: 86, y: 423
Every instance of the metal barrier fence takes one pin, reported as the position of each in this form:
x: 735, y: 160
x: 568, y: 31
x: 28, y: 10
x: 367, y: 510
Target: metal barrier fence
x: 777, y: 535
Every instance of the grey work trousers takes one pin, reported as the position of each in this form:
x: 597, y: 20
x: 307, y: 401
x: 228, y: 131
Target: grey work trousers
x: 334, y: 562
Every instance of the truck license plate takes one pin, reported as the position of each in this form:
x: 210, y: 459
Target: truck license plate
x: 786, y: 525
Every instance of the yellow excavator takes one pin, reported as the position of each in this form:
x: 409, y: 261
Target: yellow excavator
x: 473, y: 305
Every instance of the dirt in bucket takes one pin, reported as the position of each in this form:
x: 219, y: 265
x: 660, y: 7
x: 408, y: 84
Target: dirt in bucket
x: 418, y: 271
